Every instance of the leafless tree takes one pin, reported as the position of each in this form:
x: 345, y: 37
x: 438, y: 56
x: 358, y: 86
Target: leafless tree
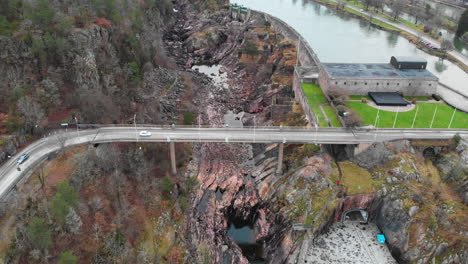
x: 32, y: 114
x: 397, y: 7
x: 417, y: 12
x: 352, y: 120
x: 378, y: 4
x: 366, y: 3
x: 446, y: 46
x: 340, y: 4
x: 62, y: 140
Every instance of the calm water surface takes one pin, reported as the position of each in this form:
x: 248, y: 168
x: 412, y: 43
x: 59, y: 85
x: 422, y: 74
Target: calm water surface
x: 337, y: 37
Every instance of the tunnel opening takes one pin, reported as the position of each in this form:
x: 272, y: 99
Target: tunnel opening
x: 355, y: 215
x: 241, y: 230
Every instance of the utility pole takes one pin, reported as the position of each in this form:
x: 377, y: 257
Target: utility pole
x: 433, y: 117
x: 298, y: 49
x: 415, y: 114
x: 77, y: 128
x: 134, y: 122
x: 451, y: 119
x: 254, y: 129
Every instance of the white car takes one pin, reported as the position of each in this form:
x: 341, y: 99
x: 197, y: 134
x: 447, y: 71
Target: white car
x: 22, y: 159
x: 145, y: 133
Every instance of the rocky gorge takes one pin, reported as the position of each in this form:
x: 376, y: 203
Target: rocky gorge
x: 414, y: 191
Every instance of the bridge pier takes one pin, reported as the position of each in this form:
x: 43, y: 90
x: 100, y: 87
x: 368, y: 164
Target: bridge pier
x: 173, y: 160
x: 279, y: 169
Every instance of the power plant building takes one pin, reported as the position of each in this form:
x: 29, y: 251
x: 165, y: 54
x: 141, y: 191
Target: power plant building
x: 405, y: 75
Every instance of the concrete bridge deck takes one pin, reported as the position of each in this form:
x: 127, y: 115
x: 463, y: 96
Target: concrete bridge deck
x: 39, y: 150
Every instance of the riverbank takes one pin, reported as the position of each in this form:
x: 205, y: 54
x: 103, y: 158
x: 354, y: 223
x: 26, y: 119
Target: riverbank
x: 383, y: 24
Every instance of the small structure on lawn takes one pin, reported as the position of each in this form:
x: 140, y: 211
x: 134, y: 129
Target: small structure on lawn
x: 388, y: 99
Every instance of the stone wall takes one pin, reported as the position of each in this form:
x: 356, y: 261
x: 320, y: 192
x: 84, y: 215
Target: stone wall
x: 302, y: 99
x: 361, y: 86
x: 307, y: 56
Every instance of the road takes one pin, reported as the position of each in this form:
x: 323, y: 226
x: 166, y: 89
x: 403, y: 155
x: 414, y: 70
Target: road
x: 39, y: 150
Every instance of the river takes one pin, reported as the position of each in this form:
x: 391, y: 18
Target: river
x: 339, y: 37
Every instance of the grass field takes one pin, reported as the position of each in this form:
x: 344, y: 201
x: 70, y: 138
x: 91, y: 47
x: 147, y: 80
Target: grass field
x: 332, y: 116
x: 405, y: 119
x: 316, y: 98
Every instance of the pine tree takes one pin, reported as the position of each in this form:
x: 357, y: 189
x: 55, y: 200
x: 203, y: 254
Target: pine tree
x: 38, y: 233
x: 462, y: 24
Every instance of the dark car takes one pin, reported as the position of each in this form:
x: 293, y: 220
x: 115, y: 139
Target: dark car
x: 22, y: 158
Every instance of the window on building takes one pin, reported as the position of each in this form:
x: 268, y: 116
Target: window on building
x: 355, y: 83
x: 398, y: 84
x: 377, y: 84
x: 388, y: 83
x: 430, y: 84
x: 336, y: 82
x: 409, y: 84
x: 365, y: 83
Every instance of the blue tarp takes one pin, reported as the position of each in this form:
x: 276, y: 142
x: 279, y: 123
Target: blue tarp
x: 381, y: 238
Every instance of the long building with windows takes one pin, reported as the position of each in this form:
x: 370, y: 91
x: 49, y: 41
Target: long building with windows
x: 405, y: 75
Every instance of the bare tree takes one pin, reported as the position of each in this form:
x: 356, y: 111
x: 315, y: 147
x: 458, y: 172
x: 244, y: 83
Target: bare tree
x: 352, y: 120
x: 446, y: 46
x: 62, y: 140
x: 32, y: 114
x: 417, y: 12
x: 397, y: 7
x: 366, y: 3
x: 340, y: 4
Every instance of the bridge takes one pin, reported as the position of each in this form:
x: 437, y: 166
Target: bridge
x: 11, y: 172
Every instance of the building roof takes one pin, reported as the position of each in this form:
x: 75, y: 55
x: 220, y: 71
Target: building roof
x: 410, y: 59
x: 388, y: 99
x: 375, y: 71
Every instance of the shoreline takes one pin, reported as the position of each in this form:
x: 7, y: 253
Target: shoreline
x: 407, y: 35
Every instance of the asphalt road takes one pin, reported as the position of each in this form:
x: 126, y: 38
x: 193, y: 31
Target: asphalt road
x: 41, y: 149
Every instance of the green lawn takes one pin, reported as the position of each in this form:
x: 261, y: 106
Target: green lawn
x: 332, y: 116
x: 405, y: 119
x: 358, y: 97
x: 316, y: 98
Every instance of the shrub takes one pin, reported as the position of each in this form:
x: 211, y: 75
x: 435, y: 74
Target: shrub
x: 188, y: 118
x: 102, y: 22
x: 38, y: 233
x: 250, y: 48
x: 352, y: 120
x: 364, y: 100
x: 67, y: 258
x: 166, y: 187
x: 436, y: 97
x: 457, y: 138
x: 414, y: 100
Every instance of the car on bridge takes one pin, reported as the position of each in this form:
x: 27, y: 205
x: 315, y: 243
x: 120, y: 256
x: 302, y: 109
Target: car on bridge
x: 145, y: 133
x: 22, y: 159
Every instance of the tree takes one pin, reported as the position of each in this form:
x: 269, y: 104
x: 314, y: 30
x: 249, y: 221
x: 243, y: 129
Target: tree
x: 31, y: 112
x: 5, y: 27
x: 60, y: 204
x: 462, y: 24
x: 42, y: 14
x: 417, y: 12
x: 38, y: 234
x: 397, y: 7
x: 366, y: 3
x: 446, y: 45
x: 67, y: 257
x: 352, y: 120
x: 250, y: 48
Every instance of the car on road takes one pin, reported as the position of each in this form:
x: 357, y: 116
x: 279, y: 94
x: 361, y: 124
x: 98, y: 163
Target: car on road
x: 145, y: 133
x: 22, y: 159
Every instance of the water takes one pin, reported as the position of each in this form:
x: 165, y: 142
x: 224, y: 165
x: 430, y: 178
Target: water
x: 338, y: 37
x: 244, y: 236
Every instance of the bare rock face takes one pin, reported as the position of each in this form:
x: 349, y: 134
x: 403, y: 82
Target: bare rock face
x: 375, y: 155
